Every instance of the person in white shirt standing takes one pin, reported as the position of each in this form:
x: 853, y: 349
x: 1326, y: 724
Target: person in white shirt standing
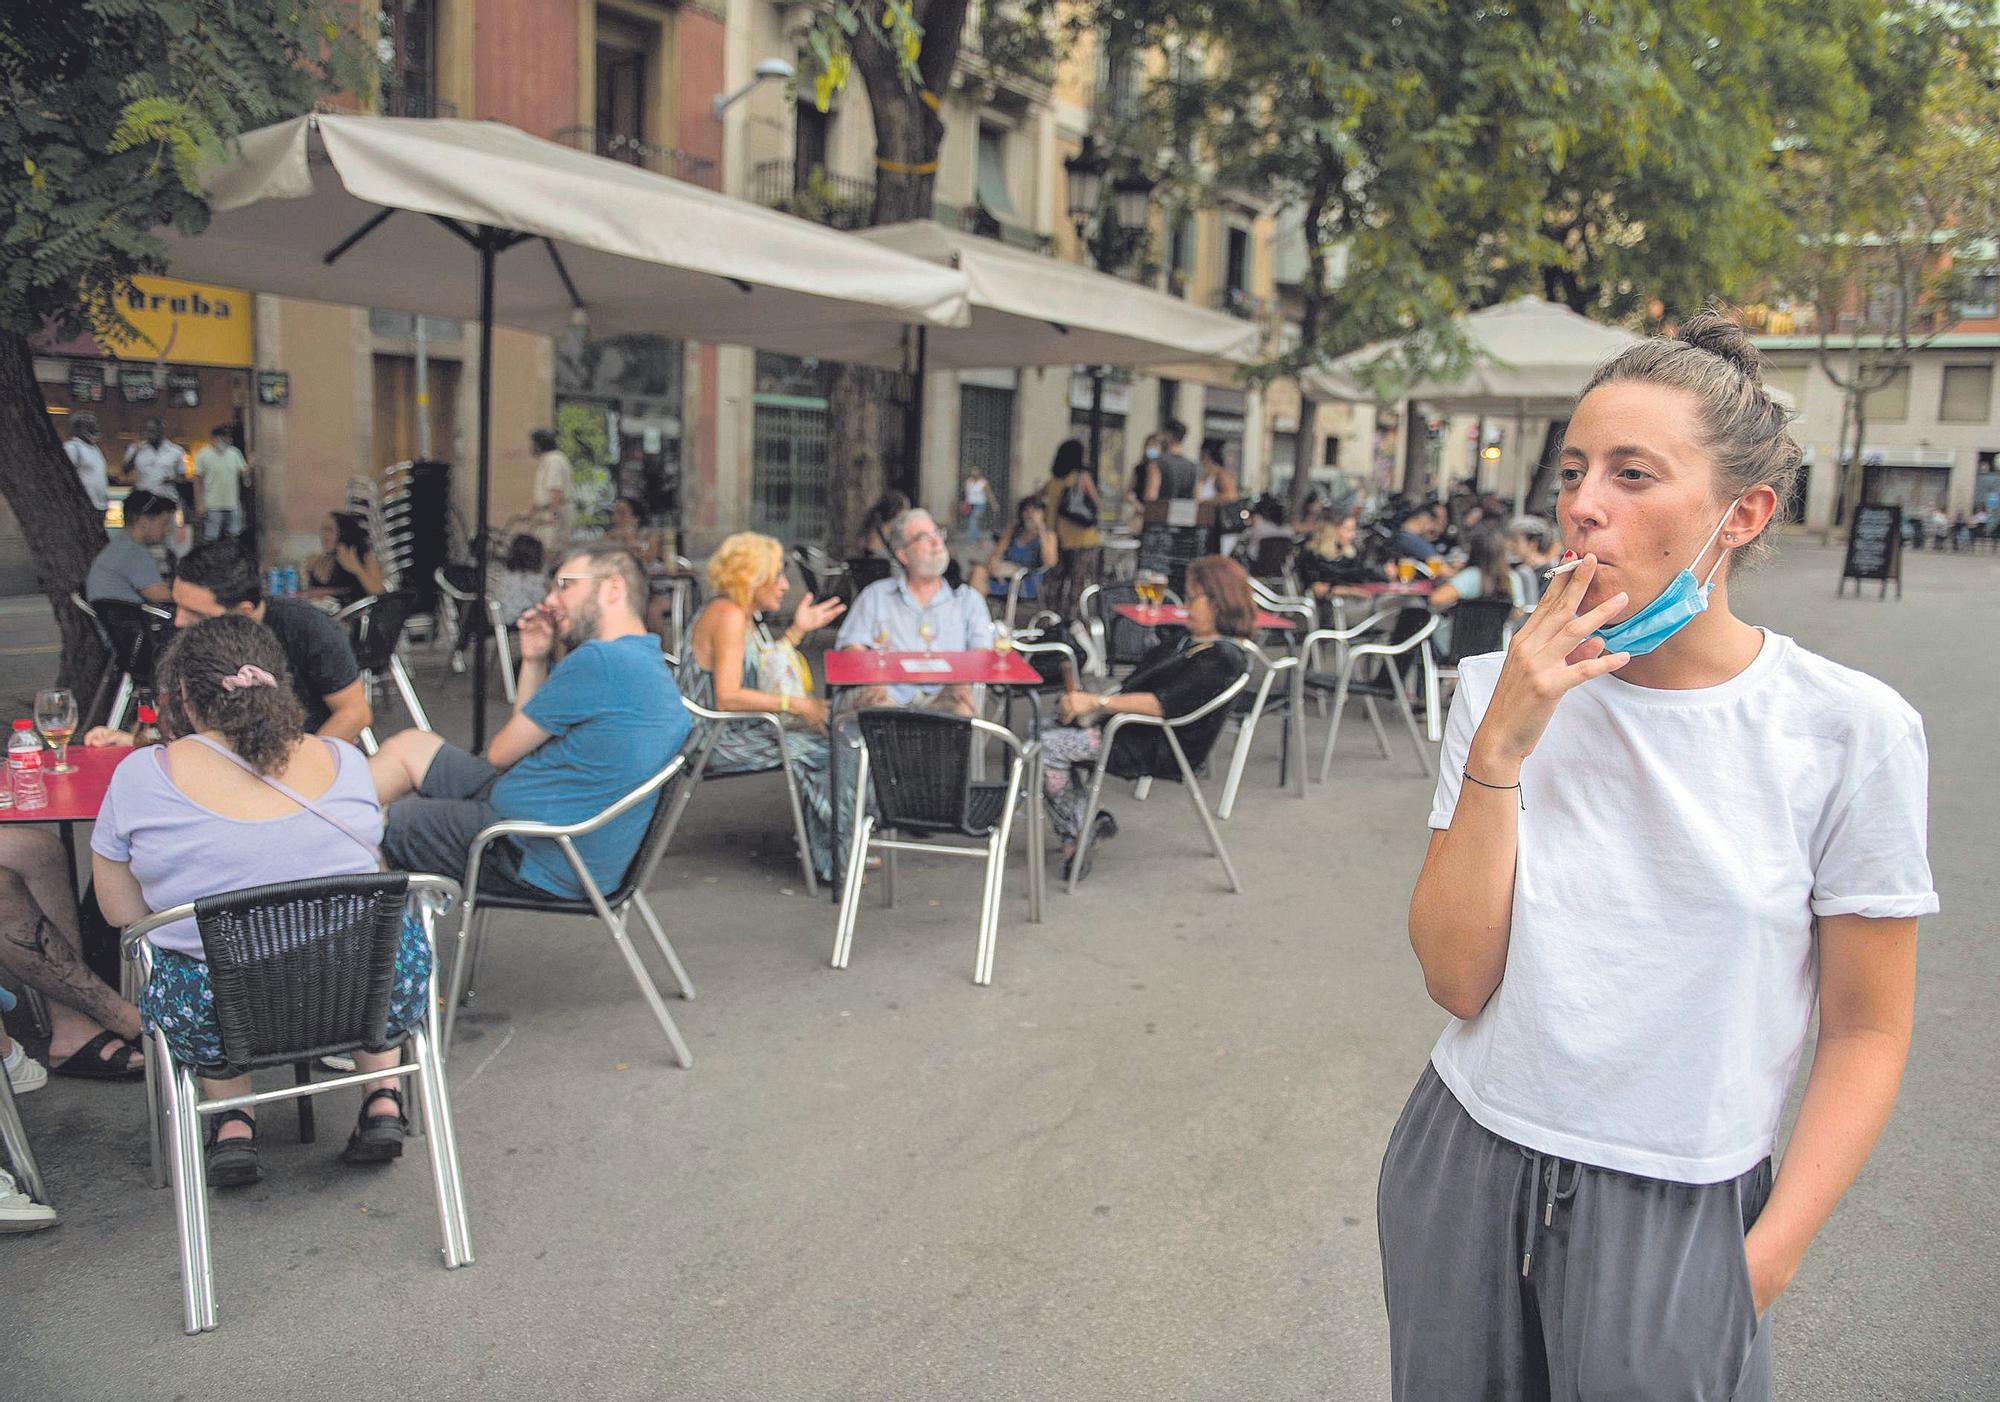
x: 155, y: 462
x: 555, y: 503
x: 1663, y: 836
x: 93, y: 474
x: 218, y: 471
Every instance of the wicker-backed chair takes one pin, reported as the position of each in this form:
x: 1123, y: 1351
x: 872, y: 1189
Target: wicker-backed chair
x: 300, y: 969
x: 926, y: 786
x: 1186, y: 761
x: 376, y: 625
x: 132, y: 633
x: 1355, y: 674
x: 1477, y: 626
x: 610, y: 908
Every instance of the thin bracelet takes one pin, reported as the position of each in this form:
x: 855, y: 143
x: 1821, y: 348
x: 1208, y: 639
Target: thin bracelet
x: 1501, y: 787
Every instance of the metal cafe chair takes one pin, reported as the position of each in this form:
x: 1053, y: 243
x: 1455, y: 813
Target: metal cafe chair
x: 921, y: 766
x: 1185, y: 762
x: 709, y: 728
x: 462, y: 601
x: 300, y: 969
x: 1478, y: 625
x: 610, y: 908
x: 131, y: 636
x: 1270, y: 698
x: 14, y: 1136
x: 1382, y: 682
x: 376, y: 623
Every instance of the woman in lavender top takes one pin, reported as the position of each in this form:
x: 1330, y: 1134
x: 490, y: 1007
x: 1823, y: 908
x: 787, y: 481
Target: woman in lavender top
x: 185, y: 820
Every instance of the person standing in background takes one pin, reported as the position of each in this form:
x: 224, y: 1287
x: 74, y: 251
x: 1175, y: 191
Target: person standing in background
x: 155, y: 463
x: 1177, y: 477
x: 93, y: 474
x: 555, y: 488
x: 1074, y: 506
x: 972, y: 504
x: 218, y: 476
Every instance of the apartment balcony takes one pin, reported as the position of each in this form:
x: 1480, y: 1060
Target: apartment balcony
x: 1237, y: 302
x: 662, y: 160
x: 846, y: 202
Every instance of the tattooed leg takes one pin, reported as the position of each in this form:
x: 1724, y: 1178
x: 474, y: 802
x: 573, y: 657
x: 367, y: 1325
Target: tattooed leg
x: 34, y: 948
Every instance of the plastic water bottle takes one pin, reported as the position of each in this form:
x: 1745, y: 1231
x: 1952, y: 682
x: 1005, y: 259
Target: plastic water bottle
x: 24, y: 767
x: 291, y: 580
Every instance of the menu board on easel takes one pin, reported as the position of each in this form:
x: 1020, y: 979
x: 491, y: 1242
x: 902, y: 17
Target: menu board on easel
x: 1874, y: 549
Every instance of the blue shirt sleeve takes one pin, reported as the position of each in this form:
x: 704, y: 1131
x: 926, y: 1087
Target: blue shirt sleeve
x: 573, y: 692
x: 859, y: 623
x: 978, y: 621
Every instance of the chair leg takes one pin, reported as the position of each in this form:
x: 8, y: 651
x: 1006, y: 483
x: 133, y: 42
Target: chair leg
x: 400, y: 675
x: 989, y: 908
x: 120, y: 700
x: 798, y: 822
x: 1038, y: 856
x: 191, y: 1202
x: 1089, y: 819
x: 1201, y: 812
x: 647, y: 988
x: 646, y: 913
x: 470, y: 925
x: 443, y: 1145
x: 1375, y: 721
x: 1410, y: 720
x: 506, y: 656
x: 15, y: 1135
x: 1333, y: 729
x: 156, y: 1094
x: 302, y: 1076
x: 850, y: 892
x: 1239, y: 759
x: 368, y: 745
x: 889, y: 878
x: 1142, y: 788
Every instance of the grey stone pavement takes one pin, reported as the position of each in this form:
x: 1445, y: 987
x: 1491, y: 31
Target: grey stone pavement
x: 1141, y: 1164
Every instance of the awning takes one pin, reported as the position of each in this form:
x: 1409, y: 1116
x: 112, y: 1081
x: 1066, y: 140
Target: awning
x: 1029, y: 309
x: 636, y: 251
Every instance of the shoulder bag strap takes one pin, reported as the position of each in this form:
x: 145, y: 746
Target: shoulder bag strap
x: 293, y: 794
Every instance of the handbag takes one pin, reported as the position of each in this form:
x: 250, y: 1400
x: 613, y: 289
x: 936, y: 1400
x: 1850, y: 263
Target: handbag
x: 781, y: 669
x: 1074, y: 506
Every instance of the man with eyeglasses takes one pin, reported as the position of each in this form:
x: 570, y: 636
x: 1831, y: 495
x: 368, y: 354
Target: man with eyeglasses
x: 587, y: 729
x: 915, y: 608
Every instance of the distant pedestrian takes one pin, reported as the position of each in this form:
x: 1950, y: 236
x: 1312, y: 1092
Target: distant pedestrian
x: 93, y: 474
x: 973, y: 501
x: 1638, y: 891
x: 1174, y: 478
x: 555, y: 490
x: 155, y: 461
x: 1074, y: 505
x: 218, y: 475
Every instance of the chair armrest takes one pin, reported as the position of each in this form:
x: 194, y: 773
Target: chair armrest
x: 361, y: 605
x: 1343, y: 635
x: 155, y: 611
x: 1415, y: 640
x: 525, y: 827
x: 714, y: 717
x: 1221, y: 699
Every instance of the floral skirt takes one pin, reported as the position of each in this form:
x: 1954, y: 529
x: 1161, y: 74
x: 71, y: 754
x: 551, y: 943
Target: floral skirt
x: 180, y: 1001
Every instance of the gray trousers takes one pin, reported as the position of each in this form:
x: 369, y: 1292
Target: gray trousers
x: 1517, y: 1275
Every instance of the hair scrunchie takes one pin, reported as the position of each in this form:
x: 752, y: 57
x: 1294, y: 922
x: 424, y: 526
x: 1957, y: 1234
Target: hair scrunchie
x: 248, y: 674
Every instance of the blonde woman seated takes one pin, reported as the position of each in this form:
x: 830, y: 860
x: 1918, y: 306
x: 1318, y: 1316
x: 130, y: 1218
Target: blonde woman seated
x: 733, y: 663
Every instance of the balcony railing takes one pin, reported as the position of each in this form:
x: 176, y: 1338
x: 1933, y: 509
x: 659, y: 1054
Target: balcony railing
x: 662, y: 160
x: 847, y: 202
x: 1237, y: 302
x: 412, y: 104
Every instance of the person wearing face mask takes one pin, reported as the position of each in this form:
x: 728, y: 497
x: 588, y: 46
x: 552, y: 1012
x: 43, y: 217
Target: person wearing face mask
x: 1662, y: 839
x: 596, y: 713
x: 915, y: 609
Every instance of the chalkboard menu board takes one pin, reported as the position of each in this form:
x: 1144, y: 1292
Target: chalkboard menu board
x: 1874, y: 549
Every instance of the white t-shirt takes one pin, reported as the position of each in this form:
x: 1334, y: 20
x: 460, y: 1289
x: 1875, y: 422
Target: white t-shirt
x: 221, y: 474
x: 91, y: 470
x: 1674, y: 850
x: 154, y: 467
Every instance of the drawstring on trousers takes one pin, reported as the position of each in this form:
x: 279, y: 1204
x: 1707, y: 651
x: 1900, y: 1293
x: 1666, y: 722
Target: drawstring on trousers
x: 1546, y: 1171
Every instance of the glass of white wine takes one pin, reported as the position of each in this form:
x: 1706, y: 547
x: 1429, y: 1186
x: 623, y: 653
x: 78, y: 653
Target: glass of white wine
x: 55, y: 717
x: 927, y: 630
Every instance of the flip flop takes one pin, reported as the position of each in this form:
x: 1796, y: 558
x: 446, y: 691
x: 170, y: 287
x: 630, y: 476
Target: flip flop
x: 89, y: 1063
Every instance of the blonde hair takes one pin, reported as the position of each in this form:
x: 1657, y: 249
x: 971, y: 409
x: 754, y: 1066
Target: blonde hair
x: 743, y: 564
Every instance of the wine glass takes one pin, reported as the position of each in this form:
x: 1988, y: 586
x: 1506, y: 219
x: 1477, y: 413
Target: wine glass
x: 55, y: 717
x: 927, y: 630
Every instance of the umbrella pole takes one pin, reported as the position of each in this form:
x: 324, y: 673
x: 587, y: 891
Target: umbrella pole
x: 488, y: 251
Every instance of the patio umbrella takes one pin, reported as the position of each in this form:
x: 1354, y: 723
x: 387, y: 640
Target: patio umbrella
x: 383, y: 211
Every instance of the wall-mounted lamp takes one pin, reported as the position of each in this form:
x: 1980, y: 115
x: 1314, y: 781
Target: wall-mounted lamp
x: 769, y: 68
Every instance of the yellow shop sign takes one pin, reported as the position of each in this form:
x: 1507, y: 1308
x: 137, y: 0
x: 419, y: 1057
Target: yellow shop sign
x: 187, y: 323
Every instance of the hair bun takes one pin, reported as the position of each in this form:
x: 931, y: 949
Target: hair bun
x: 1718, y: 335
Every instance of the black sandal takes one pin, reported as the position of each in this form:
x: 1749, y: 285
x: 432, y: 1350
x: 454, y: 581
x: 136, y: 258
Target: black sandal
x: 377, y: 1138
x: 89, y: 1062
x: 233, y: 1163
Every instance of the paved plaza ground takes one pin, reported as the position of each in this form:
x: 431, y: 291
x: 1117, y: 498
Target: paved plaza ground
x: 1141, y: 1165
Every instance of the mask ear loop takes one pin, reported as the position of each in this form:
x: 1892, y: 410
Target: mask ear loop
x: 1716, y: 568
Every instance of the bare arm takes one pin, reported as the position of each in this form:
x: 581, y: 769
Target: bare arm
x: 1133, y: 703
x: 351, y: 713
x: 730, y: 694
x: 515, y: 741
x: 118, y: 893
x: 157, y: 593
x: 1049, y: 547
x: 1461, y: 913
x: 1867, y: 994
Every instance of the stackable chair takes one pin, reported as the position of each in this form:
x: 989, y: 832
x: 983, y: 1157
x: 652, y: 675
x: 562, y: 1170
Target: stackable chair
x: 300, y: 969
x: 461, y: 600
x: 131, y: 634
x: 1274, y: 695
x: 708, y: 729
x: 376, y: 625
x: 1478, y: 625
x: 609, y: 908
x: 1185, y: 763
x: 926, y: 785
x: 825, y: 576
x: 14, y: 1137
x: 1373, y: 672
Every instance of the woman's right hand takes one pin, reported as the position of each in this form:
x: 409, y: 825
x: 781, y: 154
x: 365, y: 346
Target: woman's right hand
x: 1551, y: 655
x: 103, y: 737
x: 811, y: 710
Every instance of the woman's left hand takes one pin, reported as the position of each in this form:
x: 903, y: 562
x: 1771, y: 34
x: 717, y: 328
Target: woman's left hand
x: 1076, y: 703
x: 812, y: 615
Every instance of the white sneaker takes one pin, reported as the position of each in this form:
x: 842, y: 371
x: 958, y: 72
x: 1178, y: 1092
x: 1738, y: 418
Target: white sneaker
x: 25, y: 1073
x: 18, y: 1211
x: 337, y: 1061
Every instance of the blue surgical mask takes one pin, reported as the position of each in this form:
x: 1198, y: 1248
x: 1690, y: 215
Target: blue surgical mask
x: 1152, y: 450
x: 1678, y: 605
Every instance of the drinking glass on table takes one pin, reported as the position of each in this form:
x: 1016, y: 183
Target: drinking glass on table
x: 1406, y: 570
x: 927, y: 630
x: 1003, y: 638
x: 55, y: 717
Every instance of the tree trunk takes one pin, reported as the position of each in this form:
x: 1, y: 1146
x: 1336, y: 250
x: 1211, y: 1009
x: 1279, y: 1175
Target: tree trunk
x: 54, y: 513
x: 908, y: 135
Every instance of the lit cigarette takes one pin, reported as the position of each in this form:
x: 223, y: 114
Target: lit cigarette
x: 1563, y: 569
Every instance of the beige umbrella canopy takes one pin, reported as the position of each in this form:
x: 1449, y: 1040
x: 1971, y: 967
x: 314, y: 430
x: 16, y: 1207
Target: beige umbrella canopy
x: 415, y: 213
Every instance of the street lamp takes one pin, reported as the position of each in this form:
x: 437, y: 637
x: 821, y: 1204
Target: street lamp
x: 1116, y: 228
x: 769, y: 69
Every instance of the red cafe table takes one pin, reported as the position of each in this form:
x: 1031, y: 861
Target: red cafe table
x: 73, y: 798
x: 848, y: 668
x: 1413, y: 588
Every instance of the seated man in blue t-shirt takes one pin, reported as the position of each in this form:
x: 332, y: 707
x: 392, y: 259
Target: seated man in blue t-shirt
x: 584, y: 733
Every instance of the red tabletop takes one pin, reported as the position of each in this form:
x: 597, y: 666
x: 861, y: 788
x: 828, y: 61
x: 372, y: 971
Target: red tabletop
x: 73, y: 798
x: 857, y: 667
x: 1176, y: 616
x: 1411, y: 587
